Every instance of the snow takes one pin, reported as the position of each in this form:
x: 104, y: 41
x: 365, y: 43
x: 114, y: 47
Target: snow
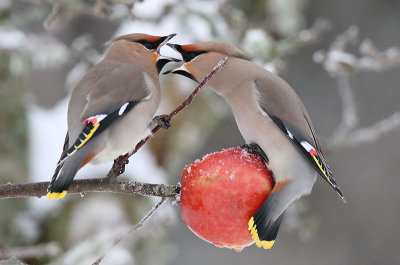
x: 44, y: 51
x: 146, y: 9
x: 11, y: 38
x: 75, y: 75
x: 27, y: 225
x: 4, y: 5
x: 257, y: 44
x: 188, y: 30
x: 101, y: 213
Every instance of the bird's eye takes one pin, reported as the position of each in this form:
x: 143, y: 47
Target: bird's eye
x: 147, y: 44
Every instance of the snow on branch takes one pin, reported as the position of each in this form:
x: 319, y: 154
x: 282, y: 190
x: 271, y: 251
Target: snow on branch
x: 337, y: 60
x: 133, y: 229
x: 47, y: 250
x: 340, y: 63
x: 39, y: 189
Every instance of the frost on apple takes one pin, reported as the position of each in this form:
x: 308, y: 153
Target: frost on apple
x: 221, y: 192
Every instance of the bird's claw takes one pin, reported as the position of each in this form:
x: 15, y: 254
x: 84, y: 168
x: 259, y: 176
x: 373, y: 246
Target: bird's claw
x: 255, y: 149
x: 163, y: 120
x: 120, y: 164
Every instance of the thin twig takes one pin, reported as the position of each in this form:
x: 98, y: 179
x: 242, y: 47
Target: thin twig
x: 55, y: 13
x: 349, y: 115
x: 133, y: 229
x: 341, y: 64
x: 47, y: 250
x: 375, y: 131
x: 39, y: 189
x: 366, y: 134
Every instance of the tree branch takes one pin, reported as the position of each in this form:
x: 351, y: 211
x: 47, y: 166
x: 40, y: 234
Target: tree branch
x: 339, y: 63
x: 39, y: 189
x: 47, y: 250
x: 133, y: 229
x: 366, y: 134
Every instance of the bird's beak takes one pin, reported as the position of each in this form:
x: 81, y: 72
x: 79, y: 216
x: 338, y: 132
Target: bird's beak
x: 177, y: 48
x: 163, y: 60
x: 165, y: 40
x: 181, y: 71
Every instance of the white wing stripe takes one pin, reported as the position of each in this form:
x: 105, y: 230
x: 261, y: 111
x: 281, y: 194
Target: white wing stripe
x: 307, y: 146
x: 122, y: 109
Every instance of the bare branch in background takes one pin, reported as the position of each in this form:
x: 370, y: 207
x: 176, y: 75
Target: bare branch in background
x: 133, y: 229
x: 376, y: 130
x: 107, y: 240
x: 47, y: 250
x: 291, y: 44
x: 341, y: 64
x: 55, y: 13
x: 272, y: 56
x: 310, y: 35
x: 338, y: 61
x: 350, y: 118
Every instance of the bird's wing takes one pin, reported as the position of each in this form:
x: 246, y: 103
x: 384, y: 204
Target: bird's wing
x: 117, y: 85
x: 94, y: 125
x: 107, y: 93
x: 286, y: 110
x: 104, y: 95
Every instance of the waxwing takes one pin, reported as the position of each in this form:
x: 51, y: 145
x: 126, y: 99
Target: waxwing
x: 112, y: 106
x: 274, y: 123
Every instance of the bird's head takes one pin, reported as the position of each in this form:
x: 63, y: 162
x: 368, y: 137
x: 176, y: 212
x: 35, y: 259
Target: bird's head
x: 142, y: 47
x: 200, y: 58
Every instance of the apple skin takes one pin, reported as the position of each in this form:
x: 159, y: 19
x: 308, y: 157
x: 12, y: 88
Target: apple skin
x: 221, y: 193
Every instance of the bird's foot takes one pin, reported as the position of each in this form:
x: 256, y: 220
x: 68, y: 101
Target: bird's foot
x: 256, y: 149
x: 163, y: 120
x: 119, y: 164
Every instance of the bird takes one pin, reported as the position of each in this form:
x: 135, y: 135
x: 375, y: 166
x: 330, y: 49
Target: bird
x: 112, y: 107
x: 273, y: 122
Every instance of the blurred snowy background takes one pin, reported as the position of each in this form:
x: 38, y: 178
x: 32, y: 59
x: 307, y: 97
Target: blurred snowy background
x: 46, y: 46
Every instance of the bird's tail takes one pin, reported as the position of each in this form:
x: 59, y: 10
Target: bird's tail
x: 62, y: 179
x: 64, y: 175
x: 53, y: 189
x: 263, y: 227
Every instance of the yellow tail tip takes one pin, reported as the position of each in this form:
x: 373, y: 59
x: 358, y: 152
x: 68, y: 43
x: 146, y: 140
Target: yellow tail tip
x: 251, y: 223
x: 254, y: 234
x: 56, y: 195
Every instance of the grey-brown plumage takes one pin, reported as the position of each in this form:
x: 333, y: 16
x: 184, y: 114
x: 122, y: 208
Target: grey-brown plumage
x: 269, y: 114
x: 112, y: 106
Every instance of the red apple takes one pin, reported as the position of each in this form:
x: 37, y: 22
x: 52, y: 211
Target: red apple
x: 221, y: 193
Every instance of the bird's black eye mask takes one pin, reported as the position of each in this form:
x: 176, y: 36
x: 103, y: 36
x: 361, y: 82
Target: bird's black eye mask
x: 187, y: 56
x: 152, y: 45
